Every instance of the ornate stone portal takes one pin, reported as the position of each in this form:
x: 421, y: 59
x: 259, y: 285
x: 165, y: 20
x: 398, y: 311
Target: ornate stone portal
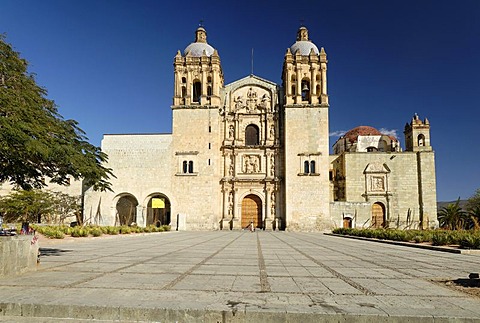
x: 250, y: 162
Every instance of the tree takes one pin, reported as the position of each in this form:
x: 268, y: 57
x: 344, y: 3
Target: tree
x: 452, y: 216
x: 66, y: 206
x: 36, y: 143
x: 473, y: 203
x: 30, y: 206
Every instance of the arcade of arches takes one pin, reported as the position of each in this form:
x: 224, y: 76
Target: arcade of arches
x: 126, y: 210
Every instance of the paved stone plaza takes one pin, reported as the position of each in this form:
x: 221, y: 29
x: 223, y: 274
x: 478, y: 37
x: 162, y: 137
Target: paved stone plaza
x: 239, y: 276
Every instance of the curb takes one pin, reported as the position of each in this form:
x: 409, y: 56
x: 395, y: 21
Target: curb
x: 412, y: 245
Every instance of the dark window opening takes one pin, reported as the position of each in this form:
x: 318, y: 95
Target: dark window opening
x: 190, y: 167
x: 312, y: 167
x: 306, y: 167
x: 197, y: 91
x: 185, y: 167
x: 184, y: 80
x: 251, y: 135
x: 209, y: 91
x: 184, y: 91
x: 371, y: 149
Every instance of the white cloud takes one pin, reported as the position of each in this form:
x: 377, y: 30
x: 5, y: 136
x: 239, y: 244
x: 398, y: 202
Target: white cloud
x: 337, y: 133
x: 389, y: 132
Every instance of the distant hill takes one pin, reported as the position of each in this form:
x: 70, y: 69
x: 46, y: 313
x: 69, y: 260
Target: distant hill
x: 443, y: 204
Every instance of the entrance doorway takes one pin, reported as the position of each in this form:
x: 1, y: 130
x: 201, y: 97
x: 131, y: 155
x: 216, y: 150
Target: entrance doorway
x: 347, y: 222
x: 252, y: 211
x: 158, y: 210
x: 126, y: 210
x: 378, y: 215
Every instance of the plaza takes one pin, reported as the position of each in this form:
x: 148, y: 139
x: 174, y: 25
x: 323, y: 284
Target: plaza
x: 239, y: 276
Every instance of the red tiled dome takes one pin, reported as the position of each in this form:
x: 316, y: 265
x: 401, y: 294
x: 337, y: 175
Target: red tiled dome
x: 353, y: 134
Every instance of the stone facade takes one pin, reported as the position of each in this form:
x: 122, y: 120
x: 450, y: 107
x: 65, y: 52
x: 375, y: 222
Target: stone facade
x: 256, y: 153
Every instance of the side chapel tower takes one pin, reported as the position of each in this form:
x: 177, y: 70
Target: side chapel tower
x: 306, y: 141
x: 198, y: 82
x: 417, y: 140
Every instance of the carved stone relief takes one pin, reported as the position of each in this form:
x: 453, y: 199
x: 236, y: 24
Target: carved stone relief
x: 251, y: 164
x: 252, y: 100
x: 377, y: 184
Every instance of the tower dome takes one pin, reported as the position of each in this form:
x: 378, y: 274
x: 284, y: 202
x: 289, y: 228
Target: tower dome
x: 303, y: 44
x: 352, y: 135
x: 200, y: 47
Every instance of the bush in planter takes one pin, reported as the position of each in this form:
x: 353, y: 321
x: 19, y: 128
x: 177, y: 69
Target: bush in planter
x: 79, y: 232
x: 96, y: 231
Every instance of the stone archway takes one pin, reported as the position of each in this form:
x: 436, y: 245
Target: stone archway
x: 252, y: 211
x: 378, y: 215
x: 158, y: 210
x: 126, y: 210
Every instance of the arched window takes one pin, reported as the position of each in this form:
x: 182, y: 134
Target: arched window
x: 251, y: 135
x: 190, y: 167
x: 421, y: 140
x: 184, y: 91
x: 197, y: 91
x: 184, y: 80
x: 306, y: 167
x: 371, y: 149
x: 312, y: 167
x: 185, y: 167
x: 305, y: 90
x: 294, y: 90
x: 209, y: 79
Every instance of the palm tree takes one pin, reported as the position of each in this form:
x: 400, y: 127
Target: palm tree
x: 474, y: 217
x: 452, y: 216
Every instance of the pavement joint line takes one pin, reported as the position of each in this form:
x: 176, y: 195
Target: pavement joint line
x: 130, y: 265
x: 188, y: 272
x: 99, y: 257
x: 264, y: 285
x: 346, y: 279
x: 366, y: 260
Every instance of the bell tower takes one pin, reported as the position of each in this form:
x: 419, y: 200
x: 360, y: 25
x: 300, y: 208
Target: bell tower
x: 198, y: 73
x: 306, y: 141
x: 305, y: 72
x: 417, y: 135
x: 198, y: 80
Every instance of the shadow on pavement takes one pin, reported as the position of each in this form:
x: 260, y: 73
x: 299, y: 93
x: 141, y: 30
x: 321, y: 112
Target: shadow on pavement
x: 45, y: 252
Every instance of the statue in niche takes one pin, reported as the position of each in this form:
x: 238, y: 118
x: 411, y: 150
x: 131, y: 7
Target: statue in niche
x: 238, y: 102
x: 272, y: 165
x: 231, y: 132
x: 272, y: 132
x: 230, y: 203
x: 272, y: 203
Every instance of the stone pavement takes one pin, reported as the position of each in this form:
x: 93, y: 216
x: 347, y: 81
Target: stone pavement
x: 239, y: 276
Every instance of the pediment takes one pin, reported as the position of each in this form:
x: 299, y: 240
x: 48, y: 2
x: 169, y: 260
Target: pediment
x: 251, y: 99
x: 376, y: 168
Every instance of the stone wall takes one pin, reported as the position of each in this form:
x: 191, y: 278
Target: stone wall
x: 18, y: 254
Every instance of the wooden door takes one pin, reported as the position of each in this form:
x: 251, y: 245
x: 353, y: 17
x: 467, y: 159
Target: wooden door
x: 251, y: 211
x: 378, y: 215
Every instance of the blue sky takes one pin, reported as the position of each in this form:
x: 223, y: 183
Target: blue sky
x: 109, y: 63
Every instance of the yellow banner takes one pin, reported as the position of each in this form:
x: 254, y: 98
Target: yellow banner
x: 158, y: 203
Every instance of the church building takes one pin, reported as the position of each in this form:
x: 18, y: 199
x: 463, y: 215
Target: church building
x: 253, y: 152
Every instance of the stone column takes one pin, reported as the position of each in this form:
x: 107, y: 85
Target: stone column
x: 141, y: 216
x: 236, y: 223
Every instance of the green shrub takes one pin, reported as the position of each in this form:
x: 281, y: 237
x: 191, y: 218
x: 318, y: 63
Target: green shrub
x: 79, y: 232
x: 96, y: 231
